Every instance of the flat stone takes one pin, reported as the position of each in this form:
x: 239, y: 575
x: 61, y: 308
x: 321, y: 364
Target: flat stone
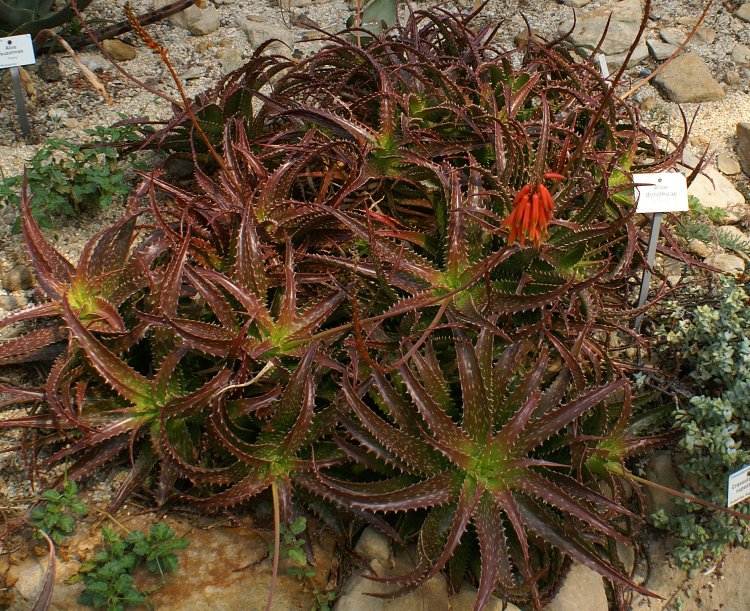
x: 672, y: 36
x: 688, y: 79
x: 589, y: 27
x: 198, y: 21
x: 699, y: 248
x: 119, y: 50
x: 731, y: 77
x: 583, y: 590
x: 743, y: 12
x: 576, y: 3
x: 94, y: 62
x: 49, y: 69
x: 743, y: 146
x: 705, y: 35
x: 714, y: 190
x: 660, y: 50
x: 374, y: 545
x: 258, y: 31
x: 730, y: 264
x: 18, y: 278
x: 231, y: 60
x: 639, y: 54
x: 741, y: 55
x: 728, y: 165
x: 13, y: 302
x: 660, y: 469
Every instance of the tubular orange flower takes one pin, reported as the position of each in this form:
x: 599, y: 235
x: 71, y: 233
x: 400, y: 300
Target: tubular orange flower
x: 532, y: 212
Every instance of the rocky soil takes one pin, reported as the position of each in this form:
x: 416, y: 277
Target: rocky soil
x: 711, y: 78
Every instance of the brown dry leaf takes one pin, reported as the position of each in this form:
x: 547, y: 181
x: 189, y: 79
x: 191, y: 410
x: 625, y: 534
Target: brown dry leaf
x: 90, y: 76
x: 27, y: 84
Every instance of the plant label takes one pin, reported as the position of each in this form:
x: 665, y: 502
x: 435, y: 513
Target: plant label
x: 739, y: 486
x: 661, y: 192
x: 16, y: 51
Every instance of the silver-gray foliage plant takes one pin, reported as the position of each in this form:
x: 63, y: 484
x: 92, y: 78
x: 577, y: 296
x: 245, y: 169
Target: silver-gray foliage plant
x: 712, y: 344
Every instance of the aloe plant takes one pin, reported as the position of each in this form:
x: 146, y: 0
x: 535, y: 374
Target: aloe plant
x: 33, y: 16
x: 384, y: 294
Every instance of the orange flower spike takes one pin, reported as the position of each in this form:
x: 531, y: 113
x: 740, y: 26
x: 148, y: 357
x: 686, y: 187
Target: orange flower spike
x: 554, y: 176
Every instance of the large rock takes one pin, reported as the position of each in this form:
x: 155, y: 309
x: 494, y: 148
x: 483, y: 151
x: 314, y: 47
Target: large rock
x: 18, y: 278
x: 120, y: 51
x: 622, y: 32
x: 730, y: 264
x: 199, y: 21
x: 258, y: 30
x: 583, y: 590
x: 432, y: 595
x: 660, y: 50
x: 715, y: 190
x: 743, y: 146
x: 223, y: 569
x: 744, y: 12
x: 688, y: 79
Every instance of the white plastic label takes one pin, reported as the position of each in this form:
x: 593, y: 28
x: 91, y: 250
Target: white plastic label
x: 739, y: 486
x: 661, y: 192
x: 16, y: 51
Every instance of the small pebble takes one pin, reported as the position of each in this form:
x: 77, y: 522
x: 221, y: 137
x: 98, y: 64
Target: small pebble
x: 18, y: 278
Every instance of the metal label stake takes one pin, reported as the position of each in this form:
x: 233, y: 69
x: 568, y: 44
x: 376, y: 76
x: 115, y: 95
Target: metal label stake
x: 650, y: 259
x: 18, y: 51
x: 23, y: 118
x: 656, y: 193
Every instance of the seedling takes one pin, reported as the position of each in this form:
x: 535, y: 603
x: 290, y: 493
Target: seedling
x: 56, y: 514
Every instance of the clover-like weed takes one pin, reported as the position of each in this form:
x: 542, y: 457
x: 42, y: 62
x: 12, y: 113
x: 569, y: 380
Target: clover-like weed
x: 108, y: 576
x: 56, y: 514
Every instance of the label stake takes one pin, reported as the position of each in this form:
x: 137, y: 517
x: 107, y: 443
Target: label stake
x: 650, y: 259
x: 23, y: 118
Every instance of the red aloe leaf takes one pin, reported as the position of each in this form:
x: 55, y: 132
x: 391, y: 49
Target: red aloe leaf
x: 247, y: 488
x: 254, y: 308
x: 96, y: 437
x: 110, y: 319
x: 411, y: 450
x: 197, y: 401
x: 458, y: 250
x: 316, y: 314
x: 250, y: 264
x: 53, y: 271
x: 436, y: 490
x: 428, y: 368
x: 197, y: 335
x: 448, y: 433
x: 121, y: 377
x: 543, y: 524
x: 27, y: 347
x: 250, y: 405
x: 107, y: 251
x: 39, y: 311
x: 301, y: 428
x: 493, y: 549
x: 214, y: 298
x: 518, y: 422
x: 171, y: 284
x: 468, y: 499
x: 552, y: 422
x: 248, y: 453
x: 44, y: 598
x: 477, y: 418
x: 288, y: 310
x: 540, y: 487
x: 296, y: 394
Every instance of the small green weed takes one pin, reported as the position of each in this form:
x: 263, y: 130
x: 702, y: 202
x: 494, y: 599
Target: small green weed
x: 108, y: 577
x: 56, y: 515
x: 299, y: 567
x: 67, y: 178
x: 697, y: 209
